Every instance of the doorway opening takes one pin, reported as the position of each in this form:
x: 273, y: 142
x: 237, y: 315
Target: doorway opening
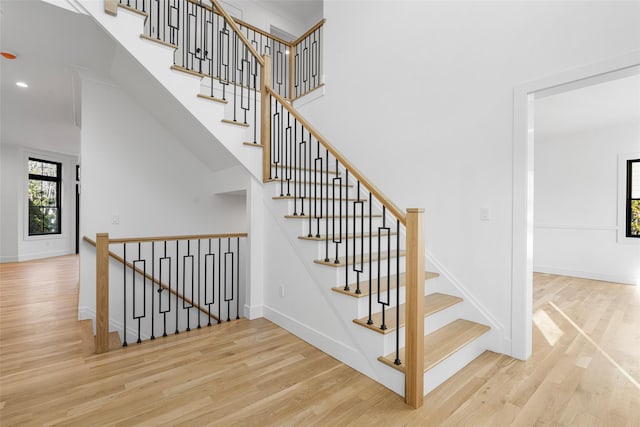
x: 523, y: 181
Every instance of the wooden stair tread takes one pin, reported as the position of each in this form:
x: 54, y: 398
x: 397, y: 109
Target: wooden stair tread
x: 86, y: 335
x: 318, y: 198
x: 433, y: 303
x: 253, y: 144
x: 273, y: 165
x: 342, y: 261
x: 307, y: 183
x: 329, y: 217
x: 188, y: 71
x: 162, y: 42
x: 324, y: 237
x: 114, y: 341
x: 364, y: 285
x: 442, y: 343
x: 212, y: 98
x: 236, y: 123
x: 133, y: 9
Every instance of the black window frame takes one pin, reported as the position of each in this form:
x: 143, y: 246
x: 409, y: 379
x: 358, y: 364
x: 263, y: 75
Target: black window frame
x: 629, y: 199
x: 58, y: 180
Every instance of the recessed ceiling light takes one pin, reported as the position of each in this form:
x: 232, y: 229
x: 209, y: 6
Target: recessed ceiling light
x: 8, y: 55
x: 21, y: 84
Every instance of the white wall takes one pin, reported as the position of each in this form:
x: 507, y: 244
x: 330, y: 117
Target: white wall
x: 16, y: 244
x: 444, y: 140
x: 576, y: 205
x: 134, y: 168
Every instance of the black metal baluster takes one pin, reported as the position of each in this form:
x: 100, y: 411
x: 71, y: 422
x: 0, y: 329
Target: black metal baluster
x: 199, y: 285
x: 296, y: 172
x: 311, y: 190
x: 160, y: 290
x: 124, y: 294
x: 370, y: 320
x: 184, y: 283
x: 287, y: 153
x: 386, y: 303
x: 326, y: 209
x: 320, y: 185
x: 238, y: 279
x: 346, y: 231
x: 208, y: 302
x: 134, y: 290
x: 153, y: 284
x: 358, y: 271
x: 226, y: 274
x: 177, y: 282
x: 398, y: 361
x: 234, y: 56
x: 219, y: 280
x: 337, y: 240
x: 301, y: 172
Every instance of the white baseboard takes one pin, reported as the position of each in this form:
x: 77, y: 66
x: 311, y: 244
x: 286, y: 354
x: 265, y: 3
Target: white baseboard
x: 9, y: 259
x: 42, y: 255
x: 606, y: 277
x: 254, y: 312
x: 88, y: 313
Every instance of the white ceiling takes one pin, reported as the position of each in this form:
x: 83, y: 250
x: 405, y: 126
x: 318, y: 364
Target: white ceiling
x: 50, y: 43
x: 612, y: 103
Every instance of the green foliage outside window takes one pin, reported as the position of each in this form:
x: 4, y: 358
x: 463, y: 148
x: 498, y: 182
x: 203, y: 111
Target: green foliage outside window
x: 635, y: 217
x: 44, y: 197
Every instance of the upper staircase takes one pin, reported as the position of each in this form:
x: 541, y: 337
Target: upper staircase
x: 365, y: 252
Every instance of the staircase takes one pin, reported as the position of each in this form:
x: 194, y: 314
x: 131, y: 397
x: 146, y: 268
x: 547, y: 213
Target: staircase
x: 363, y: 253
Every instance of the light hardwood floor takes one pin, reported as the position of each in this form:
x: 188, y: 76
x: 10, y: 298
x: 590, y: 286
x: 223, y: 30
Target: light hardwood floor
x: 254, y: 373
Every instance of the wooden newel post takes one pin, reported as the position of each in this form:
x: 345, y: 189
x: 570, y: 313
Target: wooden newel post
x: 102, y: 292
x: 414, y: 331
x: 265, y: 117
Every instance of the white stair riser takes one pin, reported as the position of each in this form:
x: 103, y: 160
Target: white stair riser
x: 431, y: 324
x: 361, y: 246
x: 341, y: 277
x: 454, y: 363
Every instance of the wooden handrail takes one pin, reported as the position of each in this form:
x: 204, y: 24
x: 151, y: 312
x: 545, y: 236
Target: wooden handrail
x: 153, y: 279
x: 391, y: 207
x: 235, y: 28
x: 309, y: 31
x: 186, y: 237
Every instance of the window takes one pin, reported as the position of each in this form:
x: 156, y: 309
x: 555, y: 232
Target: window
x: 633, y: 198
x: 44, y: 197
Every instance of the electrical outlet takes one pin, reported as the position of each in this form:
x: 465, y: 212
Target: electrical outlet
x: 115, y: 219
x: 485, y: 214
x: 282, y: 290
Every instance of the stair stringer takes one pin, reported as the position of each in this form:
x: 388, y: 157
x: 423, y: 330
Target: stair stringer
x: 157, y: 60
x: 319, y: 316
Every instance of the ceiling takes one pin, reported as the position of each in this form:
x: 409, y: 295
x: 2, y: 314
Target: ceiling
x: 50, y: 43
x: 611, y: 103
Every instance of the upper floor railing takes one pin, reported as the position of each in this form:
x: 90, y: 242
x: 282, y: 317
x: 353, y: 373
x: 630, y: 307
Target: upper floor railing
x: 166, y: 284
x: 207, y: 43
